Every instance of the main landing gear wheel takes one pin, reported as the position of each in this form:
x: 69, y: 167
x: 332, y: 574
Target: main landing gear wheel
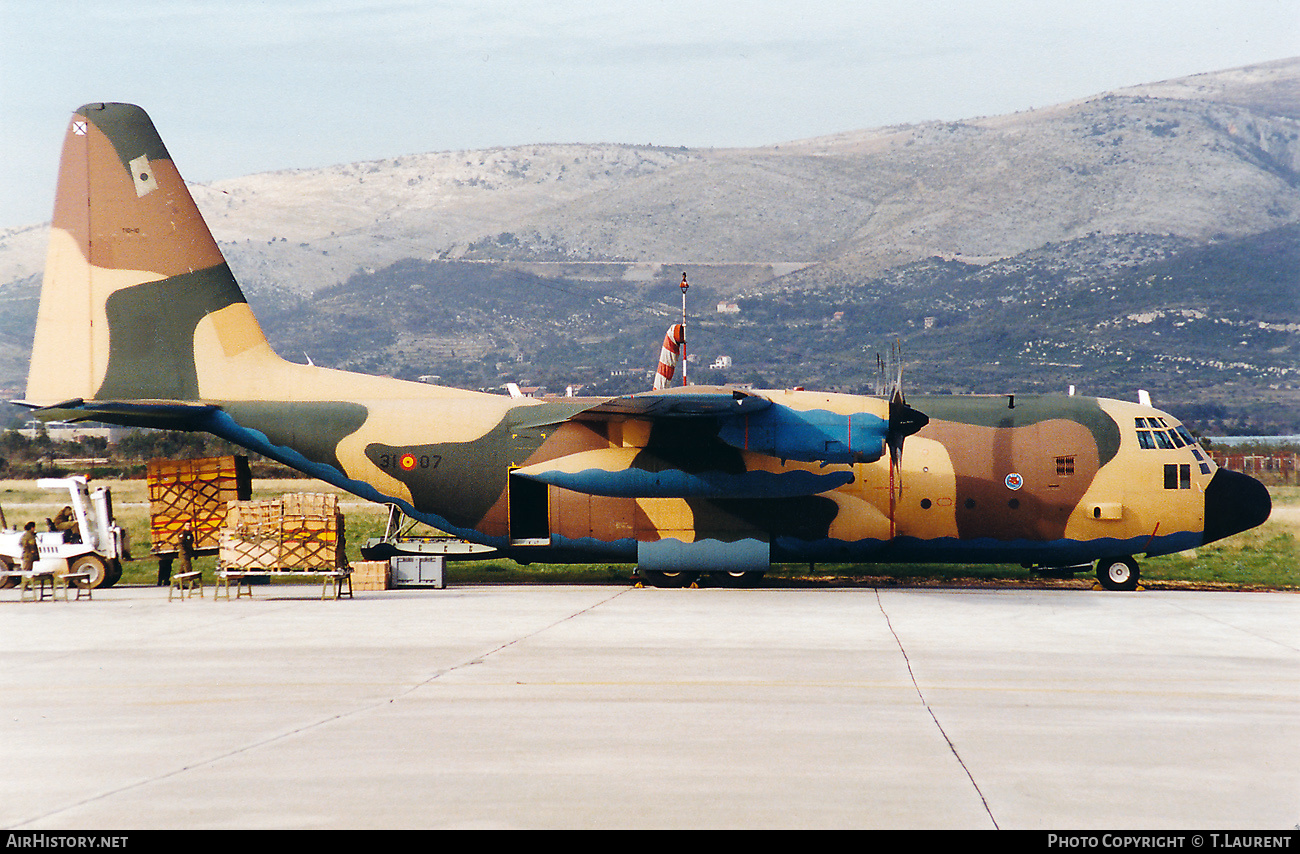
x: 739, y: 579
x: 1118, y: 573
x: 660, y: 578
x: 8, y: 580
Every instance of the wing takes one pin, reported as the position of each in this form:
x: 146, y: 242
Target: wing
x: 715, y: 442
x: 680, y: 402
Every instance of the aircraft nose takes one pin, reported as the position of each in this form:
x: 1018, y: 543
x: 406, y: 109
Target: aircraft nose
x: 1234, y: 502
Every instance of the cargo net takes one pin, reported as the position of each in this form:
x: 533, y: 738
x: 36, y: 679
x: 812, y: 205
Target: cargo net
x: 196, y: 492
x: 303, y: 532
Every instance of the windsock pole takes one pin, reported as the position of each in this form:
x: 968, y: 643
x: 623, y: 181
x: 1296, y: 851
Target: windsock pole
x: 682, y: 354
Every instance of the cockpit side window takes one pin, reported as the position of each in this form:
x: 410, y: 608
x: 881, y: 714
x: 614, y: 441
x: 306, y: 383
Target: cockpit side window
x: 1178, y: 476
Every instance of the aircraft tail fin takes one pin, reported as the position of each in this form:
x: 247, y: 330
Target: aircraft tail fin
x: 137, y: 301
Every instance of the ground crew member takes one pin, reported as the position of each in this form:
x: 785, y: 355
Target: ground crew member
x: 185, y: 547
x: 31, y: 552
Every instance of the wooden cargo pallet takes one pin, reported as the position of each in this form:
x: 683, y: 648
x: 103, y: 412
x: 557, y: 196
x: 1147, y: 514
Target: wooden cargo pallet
x: 196, y: 492
x: 299, y: 531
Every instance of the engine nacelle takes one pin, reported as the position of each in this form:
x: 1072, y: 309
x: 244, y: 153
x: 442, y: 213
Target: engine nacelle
x: 811, y: 436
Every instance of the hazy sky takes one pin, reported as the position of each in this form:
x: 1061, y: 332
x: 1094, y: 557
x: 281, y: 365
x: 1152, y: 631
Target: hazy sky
x: 241, y: 86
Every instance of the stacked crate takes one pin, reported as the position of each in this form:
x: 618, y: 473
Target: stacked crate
x: 301, y: 531
x: 370, y: 575
x: 193, y: 492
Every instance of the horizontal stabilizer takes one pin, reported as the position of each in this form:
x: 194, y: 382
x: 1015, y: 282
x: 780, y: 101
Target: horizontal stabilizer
x: 162, y: 414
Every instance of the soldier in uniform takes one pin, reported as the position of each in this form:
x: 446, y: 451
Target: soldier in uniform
x: 31, y: 552
x: 185, y: 548
x: 66, y: 521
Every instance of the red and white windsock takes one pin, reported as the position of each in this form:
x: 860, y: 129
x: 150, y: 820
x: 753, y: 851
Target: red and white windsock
x: 668, y: 355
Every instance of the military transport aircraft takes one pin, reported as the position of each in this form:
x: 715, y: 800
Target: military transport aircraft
x: 142, y: 323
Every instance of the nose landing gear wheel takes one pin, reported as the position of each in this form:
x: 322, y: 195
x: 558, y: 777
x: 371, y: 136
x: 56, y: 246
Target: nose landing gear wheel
x: 1118, y: 573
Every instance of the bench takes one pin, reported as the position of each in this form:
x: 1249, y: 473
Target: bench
x: 240, y: 577
x: 185, y: 582
x: 74, y: 579
x: 337, y: 580
x: 38, y: 582
x: 45, y: 583
x: 48, y: 582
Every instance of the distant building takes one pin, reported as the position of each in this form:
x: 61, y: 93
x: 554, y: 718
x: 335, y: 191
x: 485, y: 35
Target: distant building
x: 728, y: 308
x: 66, y: 431
x: 721, y: 363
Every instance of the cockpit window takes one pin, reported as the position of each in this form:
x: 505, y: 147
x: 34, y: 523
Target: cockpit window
x: 1155, y: 433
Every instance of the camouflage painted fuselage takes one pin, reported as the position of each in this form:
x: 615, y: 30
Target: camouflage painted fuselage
x: 141, y: 322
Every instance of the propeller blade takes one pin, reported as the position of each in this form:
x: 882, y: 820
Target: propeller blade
x: 904, y: 420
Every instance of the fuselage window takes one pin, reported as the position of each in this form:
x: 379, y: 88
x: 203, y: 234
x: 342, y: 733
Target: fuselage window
x: 1178, y: 476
